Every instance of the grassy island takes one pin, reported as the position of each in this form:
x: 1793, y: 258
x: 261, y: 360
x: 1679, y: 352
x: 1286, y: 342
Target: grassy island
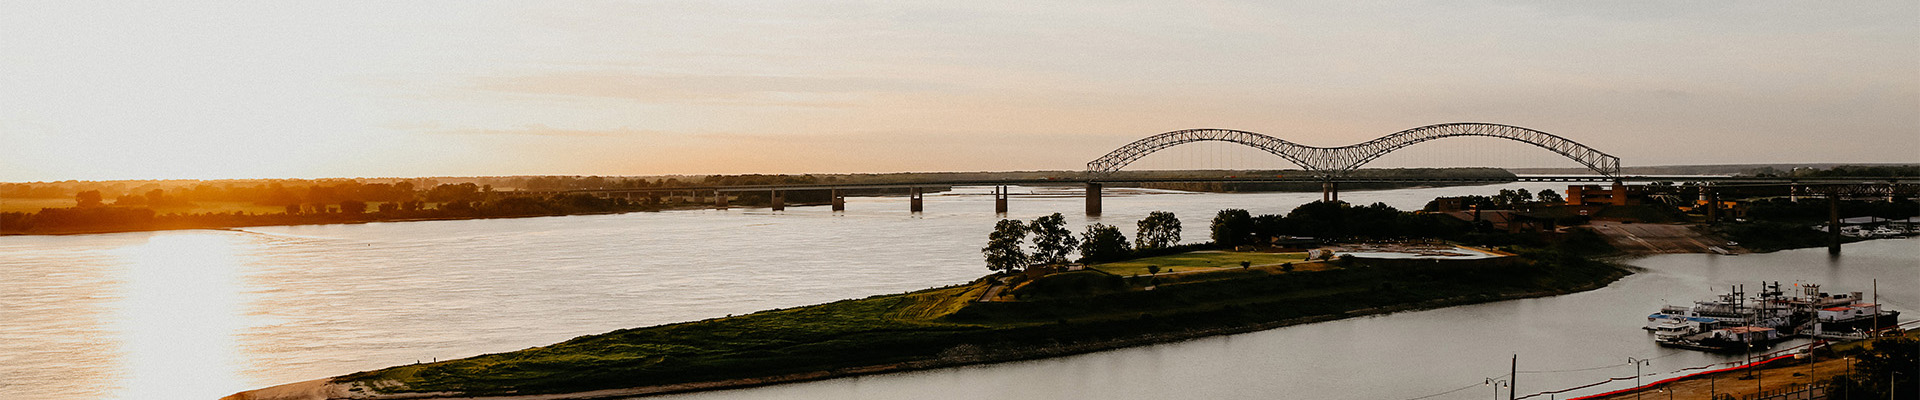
x: 999, y: 317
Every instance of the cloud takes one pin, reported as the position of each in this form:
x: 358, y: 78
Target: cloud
x: 691, y: 88
x: 540, y: 130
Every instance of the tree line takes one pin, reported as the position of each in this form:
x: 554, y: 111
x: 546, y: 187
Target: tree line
x: 92, y: 214
x: 1015, y: 245
x: 1052, y: 243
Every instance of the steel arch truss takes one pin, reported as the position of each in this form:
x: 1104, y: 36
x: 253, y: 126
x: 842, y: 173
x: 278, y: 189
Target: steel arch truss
x: 1334, y: 161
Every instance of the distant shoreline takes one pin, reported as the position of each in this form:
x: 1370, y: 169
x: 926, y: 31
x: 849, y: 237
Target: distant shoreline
x: 681, y: 207
x: 237, y: 227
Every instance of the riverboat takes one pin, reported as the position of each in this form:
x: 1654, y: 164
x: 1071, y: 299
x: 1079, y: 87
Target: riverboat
x: 1852, y: 320
x: 1717, y: 324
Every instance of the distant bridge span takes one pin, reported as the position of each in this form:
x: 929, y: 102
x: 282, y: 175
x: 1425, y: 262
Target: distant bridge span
x: 1335, y: 161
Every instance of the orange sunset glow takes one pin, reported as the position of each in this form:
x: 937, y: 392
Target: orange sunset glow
x: 959, y: 200
x: 249, y: 90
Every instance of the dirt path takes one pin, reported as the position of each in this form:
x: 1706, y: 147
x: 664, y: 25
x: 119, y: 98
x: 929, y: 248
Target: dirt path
x: 1788, y: 376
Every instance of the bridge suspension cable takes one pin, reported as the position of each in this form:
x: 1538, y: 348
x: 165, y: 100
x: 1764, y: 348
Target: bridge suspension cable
x: 1335, y: 161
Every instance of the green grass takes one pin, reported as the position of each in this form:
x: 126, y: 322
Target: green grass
x: 1197, y: 261
x: 874, y: 329
x: 1055, y: 310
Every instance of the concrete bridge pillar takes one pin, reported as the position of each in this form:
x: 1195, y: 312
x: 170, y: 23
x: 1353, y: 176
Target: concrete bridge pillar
x: 1713, y: 206
x: 1833, y: 221
x: 1000, y: 199
x: 839, y: 201
x: 777, y: 202
x: 719, y: 200
x: 1093, y: 198
x: 913, y: 200
x: 1329, y: 191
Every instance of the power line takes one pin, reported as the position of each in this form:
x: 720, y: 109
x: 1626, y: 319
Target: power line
x: 1597, y: 368
x: 1449, y: 391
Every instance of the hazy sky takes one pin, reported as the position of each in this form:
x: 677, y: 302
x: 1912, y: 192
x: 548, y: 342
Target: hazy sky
x: 413, y: 88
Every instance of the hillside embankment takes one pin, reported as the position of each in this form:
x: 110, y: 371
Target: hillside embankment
x: 1644, y: 238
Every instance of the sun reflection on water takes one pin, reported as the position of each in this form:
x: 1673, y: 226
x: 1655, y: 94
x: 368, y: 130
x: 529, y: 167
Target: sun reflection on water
x: 180, y: 316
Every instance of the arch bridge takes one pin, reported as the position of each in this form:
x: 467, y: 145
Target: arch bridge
x: 1331, y: 162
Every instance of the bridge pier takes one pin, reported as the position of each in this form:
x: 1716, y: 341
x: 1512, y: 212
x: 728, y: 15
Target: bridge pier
x: 1833, y: 222
x: 1713, y: 206
x: 1000, y: 199
x: 719, y: 200
x: 1330, y: 191
x: 913, y: 200
x: 839, y: 201
x: 776, y: 202
x: 1093, y: 198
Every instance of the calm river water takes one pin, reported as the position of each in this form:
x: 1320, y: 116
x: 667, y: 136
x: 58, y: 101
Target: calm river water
x: 202, y: 314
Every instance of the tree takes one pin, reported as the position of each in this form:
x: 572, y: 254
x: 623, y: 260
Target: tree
x: 1505, y: 199
x: 353, y: 206
x: 1003, y: 250
x: 1551, y: 197
x: 1104, y: 243
x: 1052, y: 241
x: 1270, y: 226
x: 1321, y: 219
x: 1159, y: 230
x: 90, y: 198
x: 1522, y: 196
x: 1232, y: 227
x: 1889, y: 365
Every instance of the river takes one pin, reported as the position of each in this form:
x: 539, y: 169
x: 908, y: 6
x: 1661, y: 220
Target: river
x: 204, y: 313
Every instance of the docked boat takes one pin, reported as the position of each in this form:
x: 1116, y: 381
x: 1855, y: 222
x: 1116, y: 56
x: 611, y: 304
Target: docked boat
x: 1733, y: 321
x: 1852, y: 320
x: 1682, y: 327
x: 1738, y: 338
x: 1731, y: 309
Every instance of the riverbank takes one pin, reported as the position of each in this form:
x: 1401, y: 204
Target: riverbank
x: 1067, y: 313
x: 1823, y: 375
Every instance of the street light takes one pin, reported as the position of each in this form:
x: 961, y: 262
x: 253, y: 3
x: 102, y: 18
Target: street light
x: 1846, y: 390
x: 1496, y: 384
x: 1636, y: 374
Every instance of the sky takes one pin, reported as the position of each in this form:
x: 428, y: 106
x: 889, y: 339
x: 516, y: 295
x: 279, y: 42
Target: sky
x: 209, y: 90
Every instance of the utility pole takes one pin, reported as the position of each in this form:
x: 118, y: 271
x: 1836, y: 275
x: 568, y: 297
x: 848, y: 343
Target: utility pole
x: 1513, y: 376
x: 1810, y: 354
